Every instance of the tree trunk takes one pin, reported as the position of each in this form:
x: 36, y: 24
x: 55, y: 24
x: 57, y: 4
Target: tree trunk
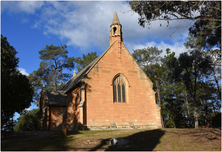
x: 55, y: 80
x: 188, y: 111
x: 204, y: 112
x: 158, y: 94
x: 55, y: 86
x: 218, y: 87
x: 194, y: 103
x: 174, y: 124
x: 195, y: 115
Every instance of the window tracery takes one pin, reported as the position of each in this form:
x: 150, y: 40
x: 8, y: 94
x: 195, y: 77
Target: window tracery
x: 119, y: 89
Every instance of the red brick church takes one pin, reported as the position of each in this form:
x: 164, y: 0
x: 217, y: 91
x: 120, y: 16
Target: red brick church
x: 112, y: 92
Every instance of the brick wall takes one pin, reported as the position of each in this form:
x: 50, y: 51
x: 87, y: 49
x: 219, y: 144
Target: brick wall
x: 140, y: 108
x: 72, y: 116
x: 57, y: 117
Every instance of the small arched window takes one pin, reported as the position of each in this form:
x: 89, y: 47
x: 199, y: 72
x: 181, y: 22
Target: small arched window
x: 114, y: 30
x: 119, y: 89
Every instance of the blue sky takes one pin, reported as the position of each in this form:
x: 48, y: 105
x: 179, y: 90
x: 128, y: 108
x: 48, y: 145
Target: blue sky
x: 83, y: 26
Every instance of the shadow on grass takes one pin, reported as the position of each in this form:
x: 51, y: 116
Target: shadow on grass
x: 36, y: 140
x: 144, y: 140
x: 208, y: 133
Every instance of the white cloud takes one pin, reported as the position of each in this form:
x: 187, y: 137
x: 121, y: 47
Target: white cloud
x: 21, y: 6
x: 23, y: 71
x: 87, y: 24
x: 176, y: 47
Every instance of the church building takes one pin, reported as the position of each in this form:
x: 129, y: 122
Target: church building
x: 112, y: 92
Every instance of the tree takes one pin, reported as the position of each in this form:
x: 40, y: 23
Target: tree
x: 85, y: 60
x: 212, y: 75
x: 50, y: 73
x: 188, y: 68
x: 205, y: 96
x: 16, y: 91
x: 28, y: 121
x: 149, y: 61
x: 205, y: 14
x: 207, y: 32
x: 173, y: 102
x: 174, y: 97
x: 215, y: 75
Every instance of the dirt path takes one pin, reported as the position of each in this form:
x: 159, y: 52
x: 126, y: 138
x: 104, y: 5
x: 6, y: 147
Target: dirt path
x: 24, y: 136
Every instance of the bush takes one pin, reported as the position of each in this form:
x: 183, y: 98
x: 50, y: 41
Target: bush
x: 27, y: 121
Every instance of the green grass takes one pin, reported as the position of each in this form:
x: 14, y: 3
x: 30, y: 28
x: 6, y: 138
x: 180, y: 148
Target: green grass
x: 157, y: 140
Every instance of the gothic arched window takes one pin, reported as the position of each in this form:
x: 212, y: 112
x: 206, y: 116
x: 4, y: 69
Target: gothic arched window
x: 119, y: 89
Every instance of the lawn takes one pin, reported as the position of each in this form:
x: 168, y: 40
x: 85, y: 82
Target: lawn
x: 157, y: 140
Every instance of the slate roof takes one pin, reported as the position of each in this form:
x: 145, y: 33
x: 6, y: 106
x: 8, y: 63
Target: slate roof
x: 54, y: 98
x: 74, y: 81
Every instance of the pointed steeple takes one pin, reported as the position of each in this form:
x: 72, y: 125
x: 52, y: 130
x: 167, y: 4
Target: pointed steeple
x: 115, y: 19
x: 115, y: 30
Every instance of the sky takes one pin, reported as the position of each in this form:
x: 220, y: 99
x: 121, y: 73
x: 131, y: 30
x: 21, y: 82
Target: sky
x: 83, y: 26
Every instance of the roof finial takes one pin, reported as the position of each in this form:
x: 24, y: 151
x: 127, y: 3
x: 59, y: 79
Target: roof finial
x: 74, y: 73
x: 115, y: 19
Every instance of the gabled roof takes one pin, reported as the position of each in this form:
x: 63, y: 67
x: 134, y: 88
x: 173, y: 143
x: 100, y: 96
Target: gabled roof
x: 54, y: 98
x: 74, y: 81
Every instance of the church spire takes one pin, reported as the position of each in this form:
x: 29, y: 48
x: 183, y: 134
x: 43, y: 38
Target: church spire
x: 115, y: 30
x: 115, y: 19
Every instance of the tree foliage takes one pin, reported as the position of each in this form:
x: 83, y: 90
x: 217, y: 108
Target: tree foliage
x: 186, y: 85
x: 28, y: 121
x: 206, y: 16
x: 16, y: 91
x: 55, y: 60
x: 189, y: 68
x: 173, y: 95
x: 81, y: 63
x: 51, y: 73
x: 149, y: 61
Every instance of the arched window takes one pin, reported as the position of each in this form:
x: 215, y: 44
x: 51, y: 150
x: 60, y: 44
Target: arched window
x: 119, y: 89
x: 114, y: 30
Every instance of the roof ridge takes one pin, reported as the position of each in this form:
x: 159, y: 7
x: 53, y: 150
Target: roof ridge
x: 84, y: 71
x: 100, y: 57
x: 138, y: 64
